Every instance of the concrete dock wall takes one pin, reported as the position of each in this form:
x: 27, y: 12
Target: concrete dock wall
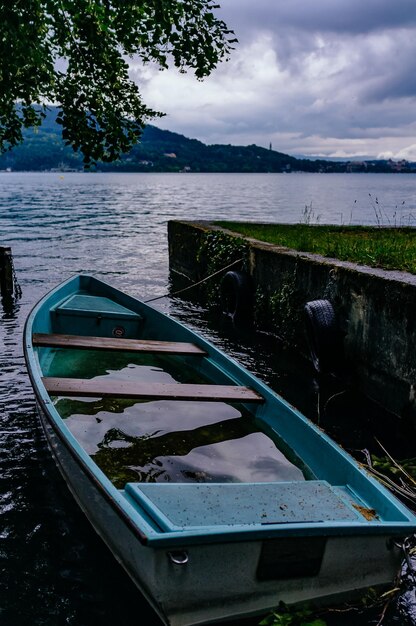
x: 376, y: 309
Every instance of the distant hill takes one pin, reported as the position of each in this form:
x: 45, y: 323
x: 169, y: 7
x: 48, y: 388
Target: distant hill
x: 164, y: 151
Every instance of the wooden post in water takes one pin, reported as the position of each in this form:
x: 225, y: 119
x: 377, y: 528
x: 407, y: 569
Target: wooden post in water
x: 6, y: 272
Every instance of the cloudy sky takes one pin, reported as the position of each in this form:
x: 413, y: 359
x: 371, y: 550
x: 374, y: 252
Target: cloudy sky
x: 313, y: 77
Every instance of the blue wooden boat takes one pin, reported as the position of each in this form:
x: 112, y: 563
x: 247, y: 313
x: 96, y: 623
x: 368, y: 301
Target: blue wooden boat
x: 218, y: 498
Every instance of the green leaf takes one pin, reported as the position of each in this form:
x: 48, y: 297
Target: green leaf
x: 72, y: 52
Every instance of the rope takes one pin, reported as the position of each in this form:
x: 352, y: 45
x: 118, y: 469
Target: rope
x: 176, y: 293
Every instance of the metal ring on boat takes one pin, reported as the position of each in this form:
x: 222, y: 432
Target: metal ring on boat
x: 178, y: 558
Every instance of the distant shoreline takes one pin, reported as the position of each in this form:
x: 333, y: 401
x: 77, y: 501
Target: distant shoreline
x: 121, y: 171
x: 163, y: 151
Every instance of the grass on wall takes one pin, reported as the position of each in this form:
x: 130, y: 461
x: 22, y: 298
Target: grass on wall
x: 388, y: 248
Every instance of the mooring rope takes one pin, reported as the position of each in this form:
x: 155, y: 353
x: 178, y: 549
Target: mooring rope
x: 176, y: 293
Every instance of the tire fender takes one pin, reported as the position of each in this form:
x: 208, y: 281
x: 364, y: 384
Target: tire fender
x: 324, y: 337
x: 237, y: 297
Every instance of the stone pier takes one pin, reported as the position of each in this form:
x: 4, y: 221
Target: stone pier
x: 376, y: 309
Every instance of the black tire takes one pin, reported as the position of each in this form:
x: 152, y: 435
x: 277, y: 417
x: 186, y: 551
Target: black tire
x: 324, y: 337
x: 237, y: 297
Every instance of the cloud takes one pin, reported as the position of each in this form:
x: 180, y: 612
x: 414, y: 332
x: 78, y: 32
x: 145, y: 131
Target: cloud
x: 318, y: 77
x: 320, y: 16
x: 408, y: 153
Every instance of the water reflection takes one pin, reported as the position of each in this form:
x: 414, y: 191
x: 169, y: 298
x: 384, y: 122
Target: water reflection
x: 164, y: 440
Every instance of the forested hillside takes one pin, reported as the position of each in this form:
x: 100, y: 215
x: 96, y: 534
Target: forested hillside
x: 163, y: 151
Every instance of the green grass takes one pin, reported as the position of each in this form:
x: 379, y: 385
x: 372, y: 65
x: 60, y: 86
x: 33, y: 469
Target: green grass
x: 387, y: 248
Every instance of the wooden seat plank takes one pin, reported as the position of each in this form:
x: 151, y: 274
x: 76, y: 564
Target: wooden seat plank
x: 146, y: 391
x: 114, y: 343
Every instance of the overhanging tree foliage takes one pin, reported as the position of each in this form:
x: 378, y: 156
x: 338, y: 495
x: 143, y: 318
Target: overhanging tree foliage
x: 73, y: 53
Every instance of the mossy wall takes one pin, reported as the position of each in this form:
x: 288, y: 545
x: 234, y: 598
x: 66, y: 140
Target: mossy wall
x: 376, y: 309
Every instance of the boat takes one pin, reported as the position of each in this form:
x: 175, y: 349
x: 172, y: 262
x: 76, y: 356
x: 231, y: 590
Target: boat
x: 219, y: 499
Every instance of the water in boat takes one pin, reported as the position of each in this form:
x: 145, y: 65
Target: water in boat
x: 166, y: 440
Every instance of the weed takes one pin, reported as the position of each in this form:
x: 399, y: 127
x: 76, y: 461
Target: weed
x: 217, y: 251
x: 392, y: 248
x: 286, y: 616
x: 399, y: 477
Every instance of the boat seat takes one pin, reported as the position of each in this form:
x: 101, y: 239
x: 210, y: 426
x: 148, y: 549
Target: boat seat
x: 148, y: 391
x: 113, y: 343
x: 240, y: 504
x: 85, y: 305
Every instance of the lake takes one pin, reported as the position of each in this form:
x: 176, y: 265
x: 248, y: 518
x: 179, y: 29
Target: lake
x: 54, y: 570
